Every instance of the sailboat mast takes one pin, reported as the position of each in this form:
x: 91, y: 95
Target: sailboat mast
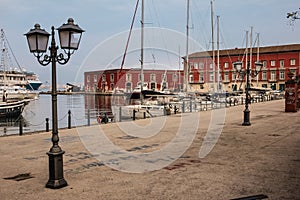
x: 246, y: 62
x: 3, y: 56
x: 257, y: 59
x: 142, y: 51
x: 213, y: 43
x: 251, y: 46
x: 218, y: 53
x: 179, y: 87
x: 186, y: 70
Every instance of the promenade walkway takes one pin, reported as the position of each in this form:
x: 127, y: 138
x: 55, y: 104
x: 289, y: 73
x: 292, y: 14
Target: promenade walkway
x: 142, y: 159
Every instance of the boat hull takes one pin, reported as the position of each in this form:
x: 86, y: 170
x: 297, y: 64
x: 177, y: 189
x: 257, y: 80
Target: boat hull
x: 12, y: 109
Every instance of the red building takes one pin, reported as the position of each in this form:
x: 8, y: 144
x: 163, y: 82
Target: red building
x: 127, y: 79
x: 277, y: 62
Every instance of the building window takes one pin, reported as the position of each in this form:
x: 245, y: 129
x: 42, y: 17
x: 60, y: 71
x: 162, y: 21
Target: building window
x: 128, y: 77
x: 201, y: 78
x: 282, y: 75
x: 153, y: 77
x: 226, y: 65
x: 265, y: 63
x: 95, y: 79
x: 128, y: 86
x: 112, y: 77
x: 273, y: 63
x: 201, y: 65
x: 264, y: 75
x: 273, y: 75
x: 191, y: 78
x: 211, y: 76
x: 140, y: 77
x: 233, y: 76
x: 103, y: 77
x: 281, y: 63
x: 293, y: 61
x: 210, y: 66
x: 175, y: 77
x: 88, y: 78
x: 195, y: 65
x: 226, y: 77
x: 112, y: 86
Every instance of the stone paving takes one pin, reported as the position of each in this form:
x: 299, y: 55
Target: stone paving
x: 263, y: 158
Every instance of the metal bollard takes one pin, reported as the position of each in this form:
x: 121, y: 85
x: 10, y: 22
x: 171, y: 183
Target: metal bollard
x: 21, y: 125
x: 145, y: 115
x: 133, y: 114
x: 47, y: 124
x: 191, y: 108
x: 183, y: 105
x: 120, y: 113
x: 88, y: 118
x: 175, y: 109
x: 69, y: 119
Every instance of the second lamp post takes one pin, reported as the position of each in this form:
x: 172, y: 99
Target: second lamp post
x: 238, y: 66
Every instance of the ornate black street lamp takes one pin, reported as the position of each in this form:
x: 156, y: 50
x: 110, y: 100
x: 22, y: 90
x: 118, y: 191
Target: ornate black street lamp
x: 238, y: 67
x: 69, y: 36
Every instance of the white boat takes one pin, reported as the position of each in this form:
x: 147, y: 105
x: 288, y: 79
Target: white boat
x: 12, y: 81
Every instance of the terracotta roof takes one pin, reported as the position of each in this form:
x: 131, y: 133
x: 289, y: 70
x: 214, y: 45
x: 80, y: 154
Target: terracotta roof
x: 240, y: 51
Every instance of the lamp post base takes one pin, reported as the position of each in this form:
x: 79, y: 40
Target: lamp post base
x: 246, y: 117
x: 56, y: 174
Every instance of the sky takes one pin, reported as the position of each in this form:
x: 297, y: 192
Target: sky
x: 107, y: 22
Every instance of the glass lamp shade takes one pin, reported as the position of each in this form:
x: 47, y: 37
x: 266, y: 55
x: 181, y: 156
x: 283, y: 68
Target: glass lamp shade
x: 258, y: 66
x: 238, y: 65
x: 70, y: 35
x: 37, y: 39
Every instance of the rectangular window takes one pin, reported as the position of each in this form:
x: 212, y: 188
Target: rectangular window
x: 191, y: 78
x: 152, y: 77
x: 128, y: 77
x: 201, y: 65
x: 233, y: 76
x: 211, y: 76
x: 103, y: 77
x: 87, y: 78
x: 282, y: 75
x: 281, y: 63
x: 265, y: 63
x: 226, y: 65
x: 210, y: 66
x: 140, y: 77
x: 293, y: 61
x: 112, y: 77
x: 195, y: 65
x: 201, y: 77
x: 273, y: 75
x: 273, y: 63
x: 264, y: 75
x: 95, y: 79
x: 226, y: 77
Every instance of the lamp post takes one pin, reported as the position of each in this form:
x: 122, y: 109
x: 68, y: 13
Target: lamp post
x: 37, y: 38
x: 238, y: 66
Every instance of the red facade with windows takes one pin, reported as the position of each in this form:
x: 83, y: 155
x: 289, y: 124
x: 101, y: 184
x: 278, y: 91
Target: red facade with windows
x: 277, y: 62
x: 127, y: 79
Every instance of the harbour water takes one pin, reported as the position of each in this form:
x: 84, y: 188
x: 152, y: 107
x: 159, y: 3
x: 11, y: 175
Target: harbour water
x: 36, y: 112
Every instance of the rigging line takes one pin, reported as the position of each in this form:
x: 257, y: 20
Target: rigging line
x: 19, y: 66
x: 12, y: 53
x: 129, y: 36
